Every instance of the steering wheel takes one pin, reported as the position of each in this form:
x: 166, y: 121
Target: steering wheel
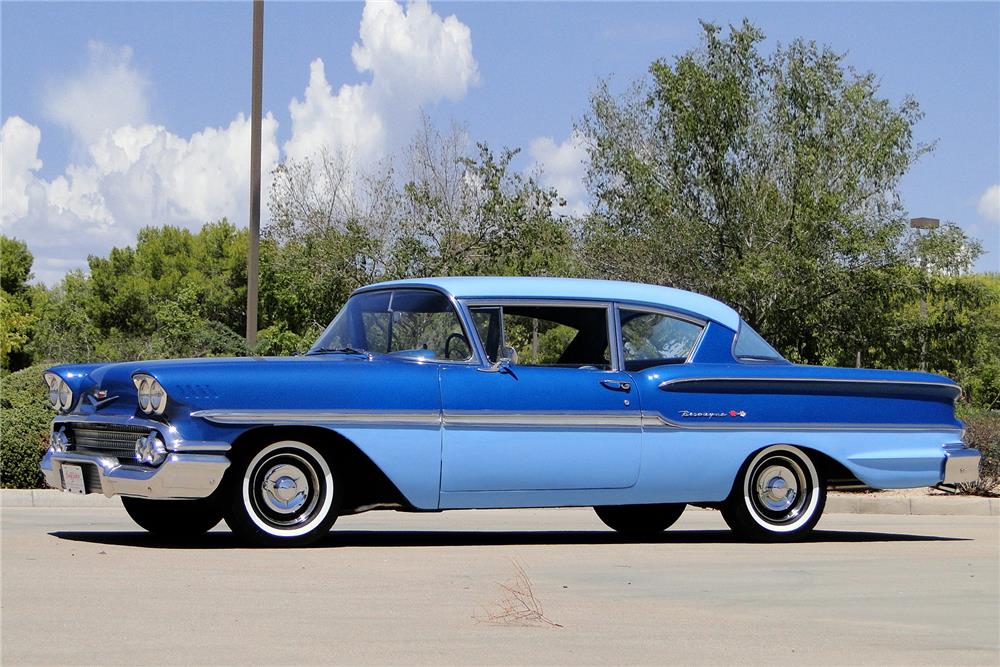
x: 447, y: 343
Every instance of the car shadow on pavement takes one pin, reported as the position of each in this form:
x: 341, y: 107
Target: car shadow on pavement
x: 447, y: 538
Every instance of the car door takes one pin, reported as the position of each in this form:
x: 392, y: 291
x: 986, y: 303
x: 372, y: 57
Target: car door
x: 560, y: 416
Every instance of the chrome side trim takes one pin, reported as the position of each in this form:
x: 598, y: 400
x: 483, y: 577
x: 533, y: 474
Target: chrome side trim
x: 179, y: 476
x: 667, y: 384
x: 381, y: 418
x: 657, y: 420
x: 475, y: 418
x: 494, y: 419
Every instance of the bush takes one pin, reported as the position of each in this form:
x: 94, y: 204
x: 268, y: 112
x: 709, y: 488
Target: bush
x: 982, y: 431
x: 25, y: 418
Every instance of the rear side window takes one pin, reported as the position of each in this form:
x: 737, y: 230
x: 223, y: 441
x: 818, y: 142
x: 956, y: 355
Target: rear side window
x: 652, y: 339
x: 751, y: 347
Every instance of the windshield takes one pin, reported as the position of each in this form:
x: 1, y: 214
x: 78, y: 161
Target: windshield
x: 409, y: 323
x: 751, y: 346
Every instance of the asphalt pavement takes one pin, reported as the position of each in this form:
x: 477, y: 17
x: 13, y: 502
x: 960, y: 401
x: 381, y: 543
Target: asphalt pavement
x: 85, y: 586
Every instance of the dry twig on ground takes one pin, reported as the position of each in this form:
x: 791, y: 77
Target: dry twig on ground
x: 518, y: 606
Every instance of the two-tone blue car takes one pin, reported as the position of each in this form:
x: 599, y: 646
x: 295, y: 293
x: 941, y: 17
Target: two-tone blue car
x: 452, y: 393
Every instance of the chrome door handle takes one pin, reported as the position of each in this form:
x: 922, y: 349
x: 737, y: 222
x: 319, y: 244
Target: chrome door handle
x: 616, y: 385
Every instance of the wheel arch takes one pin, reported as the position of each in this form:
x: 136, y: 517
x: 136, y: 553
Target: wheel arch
x: 367, y: 485
x: 832, y: 473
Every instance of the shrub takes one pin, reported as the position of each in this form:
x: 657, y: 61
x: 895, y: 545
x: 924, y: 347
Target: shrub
x: 25, y: 416
x: 982, y: 431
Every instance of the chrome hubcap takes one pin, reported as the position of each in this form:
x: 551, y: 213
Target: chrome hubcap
x: 777, y: 488
x: 285, y: 488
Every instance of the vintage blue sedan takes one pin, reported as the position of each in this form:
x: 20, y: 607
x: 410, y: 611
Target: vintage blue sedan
x: 452, y: 393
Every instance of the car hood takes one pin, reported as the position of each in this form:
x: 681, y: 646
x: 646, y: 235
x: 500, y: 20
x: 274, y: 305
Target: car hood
x: 247, y: 382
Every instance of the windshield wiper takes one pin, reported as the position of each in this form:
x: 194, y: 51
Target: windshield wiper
x: 337, y: 350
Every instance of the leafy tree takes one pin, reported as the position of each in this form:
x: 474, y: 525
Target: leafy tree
x: 16, y: 320
x: 15, y: 265
x: 769, y: 181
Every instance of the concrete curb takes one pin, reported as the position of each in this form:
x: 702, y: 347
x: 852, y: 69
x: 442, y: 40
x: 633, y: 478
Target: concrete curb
x: 53, y: 498
x: 849, y: 503
x: 836, y: 503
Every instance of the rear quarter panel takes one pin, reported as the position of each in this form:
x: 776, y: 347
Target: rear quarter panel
x: 702, y: 421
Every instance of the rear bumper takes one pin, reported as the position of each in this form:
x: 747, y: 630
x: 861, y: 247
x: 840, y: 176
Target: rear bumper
x: 961, y: 464
x: 179, y: 476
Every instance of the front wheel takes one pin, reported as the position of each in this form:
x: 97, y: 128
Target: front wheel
x: 285, y: 494
x: 777, y: 496
x: 640, y: 520
x: 174, y: 519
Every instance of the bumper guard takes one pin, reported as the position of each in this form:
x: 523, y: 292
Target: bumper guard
x: 961, y: 464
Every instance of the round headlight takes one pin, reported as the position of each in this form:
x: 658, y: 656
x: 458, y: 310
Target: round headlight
x: 151, y: 395
x: 157, y: 397
x: 144, y: 394
x: 65, y: 396
x: 60, y: 395
x: 53, y: 382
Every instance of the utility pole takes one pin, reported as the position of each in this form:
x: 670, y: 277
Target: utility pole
x: 253, y: 257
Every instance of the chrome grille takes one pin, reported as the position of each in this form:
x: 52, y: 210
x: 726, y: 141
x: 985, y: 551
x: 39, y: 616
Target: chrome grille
x: 106, y: 439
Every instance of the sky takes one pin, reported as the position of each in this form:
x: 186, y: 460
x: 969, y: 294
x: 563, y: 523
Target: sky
x: 125, y: 114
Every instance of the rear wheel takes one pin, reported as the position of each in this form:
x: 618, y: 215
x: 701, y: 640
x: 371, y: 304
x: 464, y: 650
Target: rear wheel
x: 175, y: 519
x: 778, y: 495
x: 285, y: 494
x: 640, y: 520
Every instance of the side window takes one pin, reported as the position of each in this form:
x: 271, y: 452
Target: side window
x: 421, y: 324
x: 557, y: 336
x: 751, y: 346
x: 651, y: 339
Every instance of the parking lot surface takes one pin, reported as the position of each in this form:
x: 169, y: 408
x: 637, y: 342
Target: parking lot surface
x: 85, y: 586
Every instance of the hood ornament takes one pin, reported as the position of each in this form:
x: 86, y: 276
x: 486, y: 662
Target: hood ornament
x: 99, y: 398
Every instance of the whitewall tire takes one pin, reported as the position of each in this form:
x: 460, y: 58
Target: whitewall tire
x: 778, y: 495
x: 285, y: 494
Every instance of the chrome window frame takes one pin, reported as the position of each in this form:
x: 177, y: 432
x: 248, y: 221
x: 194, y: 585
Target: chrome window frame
x: 666, y: 312
x: 477, y: 356
x: 614, y: 351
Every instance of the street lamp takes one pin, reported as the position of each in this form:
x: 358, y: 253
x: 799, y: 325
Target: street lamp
x: 928, y: 224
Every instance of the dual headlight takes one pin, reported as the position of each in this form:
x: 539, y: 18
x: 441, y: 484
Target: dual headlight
x: 152, y: 396
x: 60, y: 394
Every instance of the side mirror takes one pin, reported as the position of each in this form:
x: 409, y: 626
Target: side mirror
x: 508, y: 356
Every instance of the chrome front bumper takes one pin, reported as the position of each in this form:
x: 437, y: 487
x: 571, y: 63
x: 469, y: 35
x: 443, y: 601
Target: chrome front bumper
x: 961, y: 464
x: 179, y: 476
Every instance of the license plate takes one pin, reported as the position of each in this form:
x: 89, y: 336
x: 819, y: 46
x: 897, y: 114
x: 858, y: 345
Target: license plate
x: 72, y: 478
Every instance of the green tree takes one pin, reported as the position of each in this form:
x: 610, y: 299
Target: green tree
x: 176, y: 293
x: 768, y: 181
x: 16, y: 319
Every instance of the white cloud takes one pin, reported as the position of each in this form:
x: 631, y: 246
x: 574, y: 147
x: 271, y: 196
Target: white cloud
x: 415, y: 55
x: 18, y: 158
x: 415, y: 58
x: 562, y: 166
x: 128, y: 173
x: 135, y: 176
x: 108, y: 93
x: 989, y: 203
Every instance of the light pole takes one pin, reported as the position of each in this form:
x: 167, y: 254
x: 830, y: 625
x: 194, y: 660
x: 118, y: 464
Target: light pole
x: 918, y: 224
x: 253, y: 256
